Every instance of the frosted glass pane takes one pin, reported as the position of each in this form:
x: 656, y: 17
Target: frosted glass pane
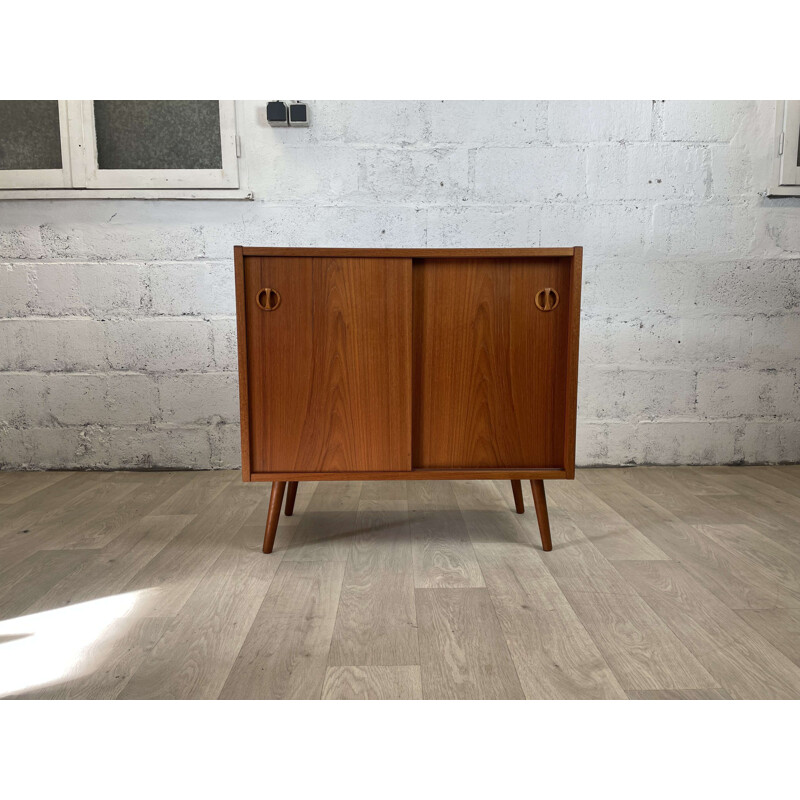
x: 30, y: 136
x: 158, y: 134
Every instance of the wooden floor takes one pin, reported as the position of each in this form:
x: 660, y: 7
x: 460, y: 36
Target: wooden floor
x: 663, y: 583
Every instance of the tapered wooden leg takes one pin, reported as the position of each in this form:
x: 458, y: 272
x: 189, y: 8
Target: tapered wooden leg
x: 273, y: 515
x: 540, y: 502
x: 291, y: 493
x: 516, y: 487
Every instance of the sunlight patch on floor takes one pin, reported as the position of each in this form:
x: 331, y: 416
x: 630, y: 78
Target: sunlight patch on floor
x: 40, y: 649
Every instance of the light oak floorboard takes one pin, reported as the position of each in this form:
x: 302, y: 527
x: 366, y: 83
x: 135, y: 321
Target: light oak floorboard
x: 193, y: 658
x: 463, y: 654
x: 575, y: 563
x: 442, y: 550
x: 774, y: 561
x: 639, y: 647
x: 178, y: 568
x: 651, y: 591
x: 107, y: 664
x: 372, y: 683
x: 23, y: 583
x: 25, y: 525
x: 736, y: 581
x: 149, y: 489
x: 675, y: 496
x: 613, y: 536
x: 553, y: 654
x: 677, y: 694
x: 16, y: 486
x: 778, y: 477
x: 114, y: 566
x: 780, y: 627
x: 376, y: 622
x: 741, y: 661
x: 190, y: 495
x: 326, y: 527
x: 285, y: 653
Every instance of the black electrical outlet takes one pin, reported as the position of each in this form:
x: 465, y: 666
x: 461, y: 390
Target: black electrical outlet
x: 277, y: 114
x: 298, y: 114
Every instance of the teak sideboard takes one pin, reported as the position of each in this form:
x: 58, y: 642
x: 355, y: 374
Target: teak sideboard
x: 406, y: 365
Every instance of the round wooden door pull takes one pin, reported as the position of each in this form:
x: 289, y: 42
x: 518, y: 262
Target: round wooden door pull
x: 268, y: 299
x: 546, y: 299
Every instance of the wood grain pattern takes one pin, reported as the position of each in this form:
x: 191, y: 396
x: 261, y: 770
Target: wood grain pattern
x: 114, y: 566
x: 463, y: 654
x: 638, y: 646
x: 325, y: 530
x: 571, y: 623
x: 330, y: 369
x: 187, y: 494
x: 106, y: 664
x: 22, y: 583
x: 738, y: 582
x: 780, y: 627
x: 720, y: 640
x: 16, y: 486
x: 372, y: 683
x: 553, y: 654
x: 180, y: 565
x: 376, y: 623
x: 194, y: 656
x: 613, y: 536
x: 286, y: 650
x: 773, y: 561
x: 576, y: 564
x: 681, y: 694
x: 489, y: 369
x: 57, y: 526
x: 442, y: 550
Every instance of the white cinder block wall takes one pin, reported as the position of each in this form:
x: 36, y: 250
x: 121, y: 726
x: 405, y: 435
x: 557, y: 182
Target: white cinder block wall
x: 117, y: 333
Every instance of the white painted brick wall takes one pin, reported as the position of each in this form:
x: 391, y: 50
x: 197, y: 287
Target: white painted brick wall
x: 117, y: 318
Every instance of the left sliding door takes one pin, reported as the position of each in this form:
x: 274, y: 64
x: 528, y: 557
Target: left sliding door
x: 328, y: 363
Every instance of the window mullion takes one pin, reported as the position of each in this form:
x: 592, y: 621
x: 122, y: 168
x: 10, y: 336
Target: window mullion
x: 79, y: 154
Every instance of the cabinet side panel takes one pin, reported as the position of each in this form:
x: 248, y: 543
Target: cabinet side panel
x: 241, y: 346
x: 489, y: 367
x: 573, y: 336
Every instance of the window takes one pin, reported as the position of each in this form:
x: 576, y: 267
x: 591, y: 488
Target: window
x: 119, y: 148
x: 786, y: 171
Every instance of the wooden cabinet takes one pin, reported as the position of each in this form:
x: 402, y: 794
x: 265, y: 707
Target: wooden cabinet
x: 407, y: 364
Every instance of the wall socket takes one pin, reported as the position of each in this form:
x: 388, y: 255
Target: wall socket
x: 281, y: 114
x: 298, y: 114
x: 277, y: 114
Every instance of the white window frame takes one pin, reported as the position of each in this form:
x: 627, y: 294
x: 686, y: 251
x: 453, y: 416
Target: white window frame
x: 44, y: 178
x: 81, y: 178
x: 786, y: 171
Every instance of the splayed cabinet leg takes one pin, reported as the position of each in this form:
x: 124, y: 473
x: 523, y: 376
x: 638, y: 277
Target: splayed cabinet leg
x: 273, y: 515
x: 291, y: 493
x: 540, y: 503
x: 516, y: 488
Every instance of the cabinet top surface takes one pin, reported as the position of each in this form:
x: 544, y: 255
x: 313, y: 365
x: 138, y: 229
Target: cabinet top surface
x: 356, y: 252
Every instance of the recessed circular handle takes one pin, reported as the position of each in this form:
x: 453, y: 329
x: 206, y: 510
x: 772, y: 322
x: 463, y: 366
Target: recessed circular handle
x: 268, y: 299
x: 546, y: 299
